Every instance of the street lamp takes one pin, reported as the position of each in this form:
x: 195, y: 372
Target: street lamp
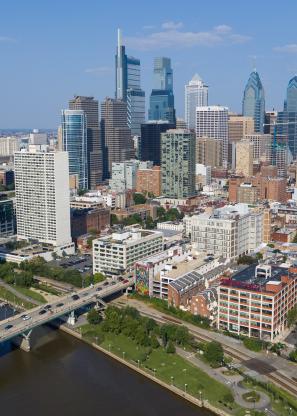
x: 172, y: 378
x: 124, y: 355
x: 109, y: 347
x: 200, y: 394
x: 186, y: 387
x: 154, y: 372
x: 138, y: 363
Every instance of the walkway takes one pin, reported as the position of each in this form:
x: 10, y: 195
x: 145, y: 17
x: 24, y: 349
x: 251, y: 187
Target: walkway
x: 231, y: 381
x: 19, y: 294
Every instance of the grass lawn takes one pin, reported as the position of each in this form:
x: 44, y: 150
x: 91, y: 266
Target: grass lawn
x: 31, y: 294
x: 251, y: 396
x: 10, y: 297
x: 48, y: 289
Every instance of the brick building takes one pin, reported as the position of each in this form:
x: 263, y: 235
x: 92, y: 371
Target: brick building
x: 149, y: 181
x: 84, y: 221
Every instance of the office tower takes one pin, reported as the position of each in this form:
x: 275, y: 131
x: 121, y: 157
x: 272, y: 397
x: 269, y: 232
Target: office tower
x: 262, y: 147
x: 209, y: 152
x: 42, y: 196
x: 212, y: 121
x: 37, y: 138
x: 116, y: 136
x: 162, y: 98
x: 94, y: 149
x: 128, y: 87
x: 178, y: 163
x: 253, y: 104
x: 124, y: 174
x: 196, y: 95
x: 238, y: 127
x: 7, y: 220
x: 150, y: 144
x: 180, y: 123
x: 270, y: 120
x: 286, y: 129
x: 244, y: 158
x: 74, y: 141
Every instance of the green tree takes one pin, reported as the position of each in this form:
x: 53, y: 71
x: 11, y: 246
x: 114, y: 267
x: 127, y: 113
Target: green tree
x: 182, y: 335
x: 139, y: 198
x: 292, y: 316
x: 259, y: 256
x: 154, y: 342
x: 141, y: 337
x: 149, y: 223
x: 246, y: 260
x: 94, y: 317
x: 293, y: 356
x: 170, y: 349
x: 113, y: 219
x: 214, y: 353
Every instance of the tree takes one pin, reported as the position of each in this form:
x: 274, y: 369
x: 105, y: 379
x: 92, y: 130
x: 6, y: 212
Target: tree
x: 98, y: 277
x: 94, y: 317
x: 293, y: 356
x: 154, y: 342
x: 259, y: 256
x: 246, y: 260
x: 149, y: 223
x: 139, y: 198
x: 292, y: 316
x: 141, y: 337
x: 114, y: 219
x: 214, y: 353
x: 170, y: 349
x: 182, y: 335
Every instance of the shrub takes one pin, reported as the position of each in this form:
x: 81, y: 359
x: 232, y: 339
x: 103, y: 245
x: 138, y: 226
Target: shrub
x: 254, y: 344
x: 170, y: 349
x: 93, y: 317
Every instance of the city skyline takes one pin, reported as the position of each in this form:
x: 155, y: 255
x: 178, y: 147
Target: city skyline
x: 222, y: 44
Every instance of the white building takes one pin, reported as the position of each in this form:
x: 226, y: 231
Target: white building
x: 212, y: 121
x: 124, y: 174
x: 203, y: 174
x: 196, y: 95
x: 117, y: 253
x: 42, y: 196
x: 228, y: 232
x: 37, y: 138
x: 9, y: 145
x: 171, y: 225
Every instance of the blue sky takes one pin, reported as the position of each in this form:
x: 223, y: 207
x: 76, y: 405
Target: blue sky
x: 51, y: 50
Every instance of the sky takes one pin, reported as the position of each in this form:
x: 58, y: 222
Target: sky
x: 51, y: 50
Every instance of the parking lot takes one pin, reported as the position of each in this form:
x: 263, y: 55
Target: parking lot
x: 83, y: 263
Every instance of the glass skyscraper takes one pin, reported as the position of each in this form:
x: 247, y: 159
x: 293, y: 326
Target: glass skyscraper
x: 196, y: 95
x: 74, y: 141
x: 162, y: 98
x: 253, y: 104
x: 128, y: 87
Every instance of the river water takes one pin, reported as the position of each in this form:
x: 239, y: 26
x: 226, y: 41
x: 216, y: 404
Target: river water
x: 62, y: 376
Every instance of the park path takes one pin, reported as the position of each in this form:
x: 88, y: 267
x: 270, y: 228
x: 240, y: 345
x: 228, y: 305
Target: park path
x: 230, y: 381
x: 19, y: 294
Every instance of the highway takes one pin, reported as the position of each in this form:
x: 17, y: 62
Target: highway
x: 26, y: 321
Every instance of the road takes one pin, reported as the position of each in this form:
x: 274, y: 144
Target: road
x: 17, y: 325
x: 272, y: 367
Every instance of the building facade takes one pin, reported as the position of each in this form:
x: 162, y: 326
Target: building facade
x: 124, y: 174
x: 74, y: 141
x: 253, y: 103
x: 7, y: 220
x: 118, y: 252
x: 212, y: 121
x: 244, y: 157
x: 148, y: 181
x: 196, y: 95
x: 94, y: 148
x: 150, y: 144
x: 42, y: 196
x: 178, y: 149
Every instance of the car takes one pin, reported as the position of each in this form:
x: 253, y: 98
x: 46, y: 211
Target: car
x: 113, y: 283
x: 47, y: 307
x: 98, y: 289
x: 59, y: 305
x: 81, y: 270
x: 25, y: 317
x: 105, y: 283
x: 42, y: 312
x: 74, y: 297
x: 126, y: 281
x: 7, y: 327
x: 85, y: 294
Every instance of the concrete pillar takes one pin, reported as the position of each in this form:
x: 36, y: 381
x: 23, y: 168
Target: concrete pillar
x: 71, y: 319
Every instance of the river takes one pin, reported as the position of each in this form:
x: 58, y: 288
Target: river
x: 65, y: 377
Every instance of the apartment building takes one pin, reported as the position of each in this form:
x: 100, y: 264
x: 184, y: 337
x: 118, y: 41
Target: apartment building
x: 257, y: 307
x: 228, y: 232
x: 118, y: 252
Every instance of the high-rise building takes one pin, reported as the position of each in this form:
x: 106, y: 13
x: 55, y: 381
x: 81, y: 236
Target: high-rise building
x: 262, y: 147
x: 196, y: 95
x: 270, y: 120
x: 238, y: 127
x: 244, y: 158
x: 116, y: 136
x: 253, y: 104
x: 124, y: 174
x: 162, y: 98
x: 74, y: 141
x: 128, y: 87
x: 212, y: 121
x: 7, y: 220
x: 148, y: 181
x: 94, y: 149
x: 291, y: 99
x: 178, y: 163
x: 150, y: 144
x: 42, y: 196
x: 209, y: 152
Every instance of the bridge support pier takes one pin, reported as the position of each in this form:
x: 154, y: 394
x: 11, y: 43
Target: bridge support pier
x: 23, y: 341
x: 71, y: 318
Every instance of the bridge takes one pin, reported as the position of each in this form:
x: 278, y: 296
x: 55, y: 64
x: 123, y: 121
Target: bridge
x: 22, y: 324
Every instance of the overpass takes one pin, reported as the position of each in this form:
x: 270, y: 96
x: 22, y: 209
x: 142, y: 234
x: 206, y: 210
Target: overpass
x: 22, y: 324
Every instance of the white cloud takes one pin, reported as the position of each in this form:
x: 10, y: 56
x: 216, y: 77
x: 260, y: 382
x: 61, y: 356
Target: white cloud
x: 290, y: 48
x: 172, y: 25
x: 148, y: 27
x: 172, y: 37
x: 6, y: 39
x: 99, y: 70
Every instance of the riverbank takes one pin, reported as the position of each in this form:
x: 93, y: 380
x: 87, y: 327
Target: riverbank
x: 200, y: 403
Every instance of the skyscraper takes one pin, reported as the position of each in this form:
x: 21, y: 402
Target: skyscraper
x: 162, y: 98
x: 212, y: 121
x: 42, y: 196
x: 128, y: 87
x: 196, y: 95
x: 74, y: 141
x: 178, y: 163
x: 116, y: 136
x: 94, y: 149
x: 291, y: 100
x: 253, y: 104
x: 150, y: 144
